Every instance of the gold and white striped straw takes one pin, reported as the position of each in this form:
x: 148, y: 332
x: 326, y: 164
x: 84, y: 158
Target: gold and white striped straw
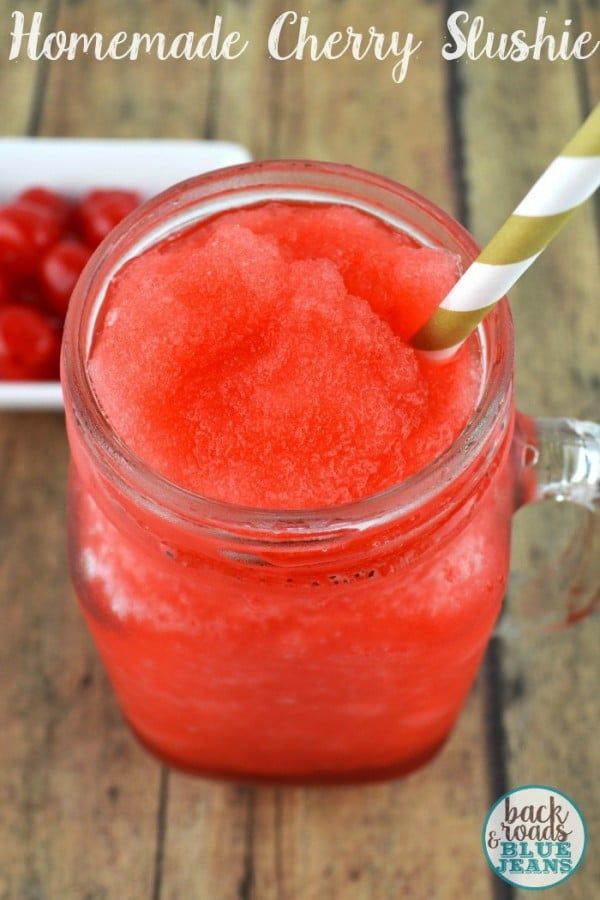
x: 567, y: 182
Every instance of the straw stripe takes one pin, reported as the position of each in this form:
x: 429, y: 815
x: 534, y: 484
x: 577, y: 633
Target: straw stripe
x: 586, y: 140
x: 522, y: 237
x: 482, y: 283
x: 447, y: 328
x: 564, y: 185
x: 567, y: 182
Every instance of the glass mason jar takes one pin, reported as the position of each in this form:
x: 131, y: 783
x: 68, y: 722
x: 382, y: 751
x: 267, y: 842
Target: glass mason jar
x: 319, y: 645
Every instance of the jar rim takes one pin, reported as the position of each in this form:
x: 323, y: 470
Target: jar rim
x: 181, y: 205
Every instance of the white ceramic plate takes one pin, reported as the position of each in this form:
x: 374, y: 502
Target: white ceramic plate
x: 73, y: 166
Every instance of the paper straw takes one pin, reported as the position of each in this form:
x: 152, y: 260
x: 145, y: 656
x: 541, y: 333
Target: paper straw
x: 567, y: 182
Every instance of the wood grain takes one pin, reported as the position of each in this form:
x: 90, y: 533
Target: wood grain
x: 343, y: 110
x: 307, y: 844
x: 77, y: 796
x: 550, y: 682
x: 588, y: 19
x: 22, y: 81
x: 84, y: 813
x: 124, y: 98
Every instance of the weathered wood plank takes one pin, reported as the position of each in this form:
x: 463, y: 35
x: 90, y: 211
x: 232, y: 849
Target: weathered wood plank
x: 77, y: 796
x: 588, y: 19
x: 21, y: 81
x: 376, y: 842
x: 125, y: 98
x: 343, y: 110
x: 358, y: 843
x: 306, y: 844
x: 550, y: 695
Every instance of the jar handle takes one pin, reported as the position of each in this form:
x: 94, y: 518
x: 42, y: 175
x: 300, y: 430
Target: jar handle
x: 558, y: 459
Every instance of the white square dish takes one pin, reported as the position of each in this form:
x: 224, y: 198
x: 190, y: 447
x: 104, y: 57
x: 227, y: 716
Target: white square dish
x: 74, y: 165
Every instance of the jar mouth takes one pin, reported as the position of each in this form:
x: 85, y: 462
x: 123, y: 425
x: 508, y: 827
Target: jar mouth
x: 198, y: 198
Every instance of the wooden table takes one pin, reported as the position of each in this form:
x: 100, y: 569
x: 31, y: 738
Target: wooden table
x: 85, y: 814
